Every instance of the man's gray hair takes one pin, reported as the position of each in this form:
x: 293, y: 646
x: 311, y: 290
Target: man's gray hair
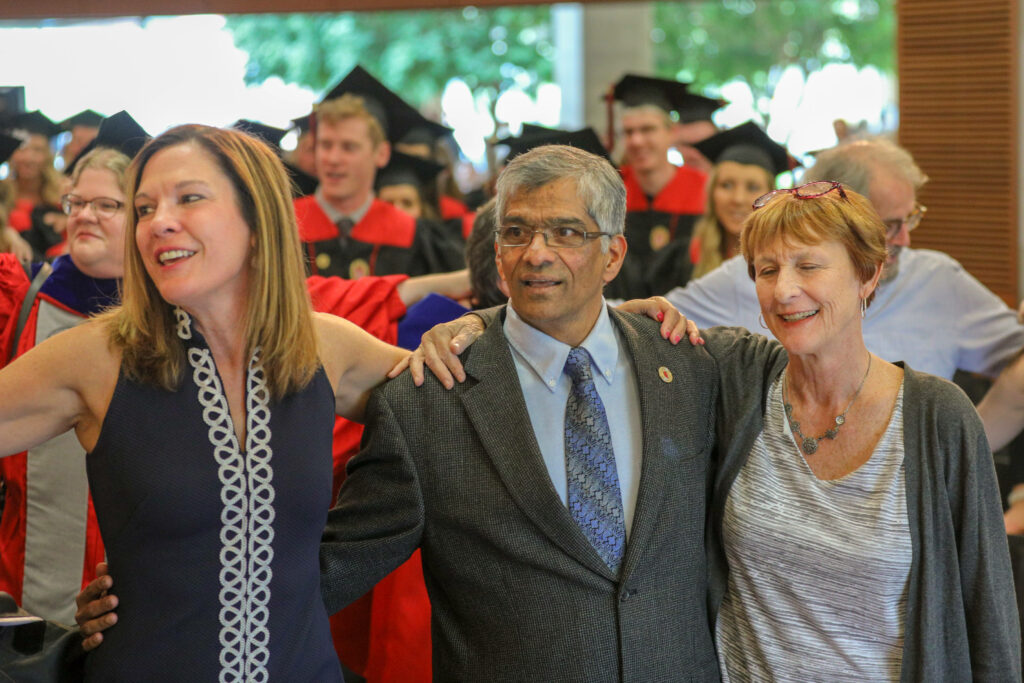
x: 854, y: 163
x: 598, y: 184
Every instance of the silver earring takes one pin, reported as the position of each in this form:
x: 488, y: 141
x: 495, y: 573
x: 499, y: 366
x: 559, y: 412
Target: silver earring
x: 863, y: 307
x: 760, y: 319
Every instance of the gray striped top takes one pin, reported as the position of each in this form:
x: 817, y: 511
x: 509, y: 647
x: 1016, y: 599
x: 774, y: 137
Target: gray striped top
x: 818, y: 570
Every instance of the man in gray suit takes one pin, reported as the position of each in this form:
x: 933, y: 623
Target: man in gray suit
x: 477, y: 476
x: 560, y: 514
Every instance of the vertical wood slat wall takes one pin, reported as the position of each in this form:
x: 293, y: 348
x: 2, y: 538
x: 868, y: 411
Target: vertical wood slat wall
x: 958, y: 74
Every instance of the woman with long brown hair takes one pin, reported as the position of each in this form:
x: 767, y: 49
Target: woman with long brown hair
x: 205, y: 403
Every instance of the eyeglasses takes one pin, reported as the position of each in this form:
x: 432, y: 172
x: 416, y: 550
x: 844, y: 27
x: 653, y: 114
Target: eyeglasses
x: 808, y: 191
x: 104, y: 207
x: 561, y: 236
x: 911, y: 221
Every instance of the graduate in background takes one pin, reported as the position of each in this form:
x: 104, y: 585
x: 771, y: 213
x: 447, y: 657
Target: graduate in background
x: 84, y: 127
x: 347, y: 231
x: 406, y: 182
x: 34, y: 187
x: 662, y: 200
x: 10, y: 239
x: 746, y: 163
x: 432, y: 141
x: 302, y: 183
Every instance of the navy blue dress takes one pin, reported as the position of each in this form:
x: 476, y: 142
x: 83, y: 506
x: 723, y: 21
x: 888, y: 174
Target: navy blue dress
x: 213, y: 550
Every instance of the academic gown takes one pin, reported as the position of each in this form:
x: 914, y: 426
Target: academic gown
x: 658, y: 233
x: 29, y: 219
x: 387, y: 241
x: 49, y: 538
x: 385, y: 635
x: 453, y: 208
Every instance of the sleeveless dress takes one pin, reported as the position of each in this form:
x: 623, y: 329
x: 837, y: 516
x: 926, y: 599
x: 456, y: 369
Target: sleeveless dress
x: 214, y: 551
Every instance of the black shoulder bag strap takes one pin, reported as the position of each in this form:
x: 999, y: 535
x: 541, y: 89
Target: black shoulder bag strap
x: 26, y: 305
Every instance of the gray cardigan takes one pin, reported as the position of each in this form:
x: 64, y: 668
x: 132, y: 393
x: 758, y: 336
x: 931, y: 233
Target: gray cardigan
x: 961, y: 621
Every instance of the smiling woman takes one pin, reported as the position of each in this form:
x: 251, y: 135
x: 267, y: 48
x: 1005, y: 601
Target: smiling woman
x: 746, y: 162
x: 843, y: 489
x: 96, y: 216
x: 206, y: 403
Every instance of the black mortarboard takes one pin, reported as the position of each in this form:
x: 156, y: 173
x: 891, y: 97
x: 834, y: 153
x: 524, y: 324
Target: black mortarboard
x: 637, y: 91
x: 395, y: 115
x: 747, y: 144
x: 32, y: 122
x: 585, y: 139
x: 12, y: 100
x: 534, y: 129
x: 406, y: 169
x: 119, y: 131
x: 268, y: 134
x: 304, y: 184
x: 8, y: 144
x: 425, y: 132
x: 87, y: 118
x: 302, y: 123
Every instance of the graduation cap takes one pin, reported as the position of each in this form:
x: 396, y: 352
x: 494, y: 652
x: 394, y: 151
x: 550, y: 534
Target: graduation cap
x: 8, y: 145
x: 12, y: 100
x: 87, y: 118
x: 747, y: 144
x: 669, y: 95
x: 120, y: 132
x: 425, y: 132
x: 585, y: 139
x: 268, y: 134
x: 395, y: 115
x: 302, y: 123
x: 304, y: 184
x: 31, y: 123
x: 407, y: 169
x: 534, y: 129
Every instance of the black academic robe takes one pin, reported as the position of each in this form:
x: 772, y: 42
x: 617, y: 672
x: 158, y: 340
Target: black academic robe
x: 387, y: 241
x: 658, y: 231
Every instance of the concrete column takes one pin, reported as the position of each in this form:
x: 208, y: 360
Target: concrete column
x: 616, y: 40
x: 567, y: 28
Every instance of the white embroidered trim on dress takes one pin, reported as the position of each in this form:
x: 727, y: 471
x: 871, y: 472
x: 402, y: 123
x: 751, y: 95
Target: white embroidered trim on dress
x: 183, y: 324
x: 247, y: 518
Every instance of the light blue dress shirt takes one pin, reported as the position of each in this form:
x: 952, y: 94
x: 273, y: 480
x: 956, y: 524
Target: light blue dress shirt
x: 540, y: 361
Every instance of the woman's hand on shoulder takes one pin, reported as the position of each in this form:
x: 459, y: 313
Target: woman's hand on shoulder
x: 674, y: 325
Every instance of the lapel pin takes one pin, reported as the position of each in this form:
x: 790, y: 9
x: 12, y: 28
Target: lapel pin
x: 665, y: 374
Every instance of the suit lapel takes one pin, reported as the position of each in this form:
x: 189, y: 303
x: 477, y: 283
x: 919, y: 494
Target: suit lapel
x: 497, y: 410
x: 653, y: 469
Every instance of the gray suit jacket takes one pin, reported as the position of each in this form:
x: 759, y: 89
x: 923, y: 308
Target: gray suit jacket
x: 517, y: 591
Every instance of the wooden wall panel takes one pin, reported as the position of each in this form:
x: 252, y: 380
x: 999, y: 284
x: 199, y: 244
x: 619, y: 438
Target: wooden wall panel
x: 958, y: 74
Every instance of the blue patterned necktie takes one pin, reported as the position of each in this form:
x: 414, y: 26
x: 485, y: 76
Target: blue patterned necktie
x: 595, y: 501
